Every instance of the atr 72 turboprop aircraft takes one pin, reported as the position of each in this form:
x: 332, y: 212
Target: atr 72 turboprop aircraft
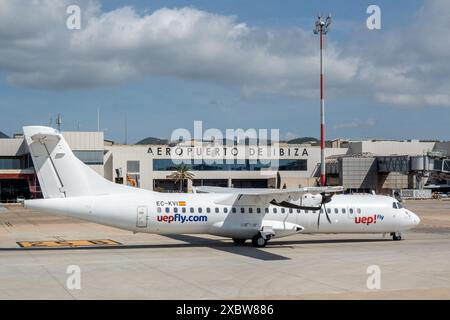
x: 71, y: 188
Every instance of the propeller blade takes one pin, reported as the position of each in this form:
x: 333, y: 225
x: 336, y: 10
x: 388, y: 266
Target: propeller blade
x: 278, y: 180
x: 318, y: 219
x: 326, y: 213
x: 326, y: 197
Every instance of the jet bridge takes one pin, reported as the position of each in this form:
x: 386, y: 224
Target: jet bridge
x: 364, y: 172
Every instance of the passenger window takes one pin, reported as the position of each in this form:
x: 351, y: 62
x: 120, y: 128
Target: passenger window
x: 233, y: 209
x: 399, y: 205
x: 175, y: 210
x: 290, y: 210
x: 343, y: 210
x: 351, y: 211
x: 258, y: 210
x: 242, y: 210
x: 306, y: 211
x: 358, y: 210
x: 167, y: 210
x: 183, y: 210
x: 216, y: 210
x: 298, y: 210
x: 225, y: 210
x: 274, y: 210
x: 283, y: 210
x: 158, y: 209
x: 199, y: 210
x: 329, y: 210
x: 208, y: 210
x: 250, y: 210
x: 394, y: 205
x: 336, y: 210
x: 191, y: 210
x: 266, y: 210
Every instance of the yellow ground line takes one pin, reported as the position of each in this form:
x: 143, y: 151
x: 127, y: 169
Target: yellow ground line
x: 68, y: 243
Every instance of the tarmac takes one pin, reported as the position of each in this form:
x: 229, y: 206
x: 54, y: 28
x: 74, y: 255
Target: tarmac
x: 117, y: 264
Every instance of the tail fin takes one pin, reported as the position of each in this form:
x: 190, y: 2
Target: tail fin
x: 60, y: 173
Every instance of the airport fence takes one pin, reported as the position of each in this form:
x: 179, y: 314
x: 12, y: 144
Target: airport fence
x: 415, y: 194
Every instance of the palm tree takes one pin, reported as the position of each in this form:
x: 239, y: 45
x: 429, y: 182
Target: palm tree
x: 180, y: 175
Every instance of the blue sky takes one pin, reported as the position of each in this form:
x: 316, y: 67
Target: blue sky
x: 373, y: 93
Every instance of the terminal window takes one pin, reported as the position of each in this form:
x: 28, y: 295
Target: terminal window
x: 237, y: 165
x: 93, y: 157
x: 10, y: 163
x: 133, y: 166
x: 14, y: 163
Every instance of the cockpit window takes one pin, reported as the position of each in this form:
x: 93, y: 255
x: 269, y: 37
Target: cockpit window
x: 397, y: 205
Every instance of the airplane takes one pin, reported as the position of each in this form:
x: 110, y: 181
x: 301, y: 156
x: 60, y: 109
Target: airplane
x: 71, y: 188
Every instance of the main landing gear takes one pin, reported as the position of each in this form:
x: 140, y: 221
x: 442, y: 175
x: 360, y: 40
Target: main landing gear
x: 396, y: 236
x: 259, y: 241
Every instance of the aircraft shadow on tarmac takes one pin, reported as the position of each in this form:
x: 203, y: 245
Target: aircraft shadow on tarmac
x: 193, y: 241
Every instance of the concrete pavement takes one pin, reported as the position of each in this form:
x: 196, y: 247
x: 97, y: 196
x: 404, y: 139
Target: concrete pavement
x: 149, y: 266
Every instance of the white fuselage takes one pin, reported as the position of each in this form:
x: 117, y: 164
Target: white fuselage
x: 171, y: 213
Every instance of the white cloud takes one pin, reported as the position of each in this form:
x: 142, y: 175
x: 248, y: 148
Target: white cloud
x: 355, y: 124
x: 116, y: 46
x: 290, y: 135
x: 397, y: 68
x: 408, y: 66
x: 415, y: 100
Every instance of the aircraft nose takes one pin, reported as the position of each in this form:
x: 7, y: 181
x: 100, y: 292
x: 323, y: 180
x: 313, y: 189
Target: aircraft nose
x: 414, y: 218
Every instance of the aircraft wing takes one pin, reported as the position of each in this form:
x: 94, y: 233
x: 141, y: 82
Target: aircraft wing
x: 264, y: 196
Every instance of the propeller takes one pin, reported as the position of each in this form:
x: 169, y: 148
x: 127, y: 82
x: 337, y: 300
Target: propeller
x: 325, y: 199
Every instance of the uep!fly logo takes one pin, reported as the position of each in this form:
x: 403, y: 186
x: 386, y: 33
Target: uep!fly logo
x: 181, y: 218
x: 165, y: 218
x: 369, y: 220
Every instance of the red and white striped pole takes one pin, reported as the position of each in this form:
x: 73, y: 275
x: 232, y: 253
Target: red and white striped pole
x: 322, y: 29
x: 322, y: 117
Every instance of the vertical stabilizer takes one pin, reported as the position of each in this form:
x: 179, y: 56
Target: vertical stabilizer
x: 60, y: 173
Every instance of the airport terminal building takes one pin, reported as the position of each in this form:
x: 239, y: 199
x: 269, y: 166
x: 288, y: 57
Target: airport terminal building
x: 359, y: 166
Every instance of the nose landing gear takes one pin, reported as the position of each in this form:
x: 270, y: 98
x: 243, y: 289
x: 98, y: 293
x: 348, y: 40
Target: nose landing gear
x: 396, y: 236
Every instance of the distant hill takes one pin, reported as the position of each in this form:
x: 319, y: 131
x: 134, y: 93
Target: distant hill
x: 303, y: 140
x: 153, y: 141
x: 158, y: 141
x: 3, y: 136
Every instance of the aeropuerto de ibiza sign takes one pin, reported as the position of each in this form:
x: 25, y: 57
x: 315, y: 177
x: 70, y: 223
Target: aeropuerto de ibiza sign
x: 225, y: 152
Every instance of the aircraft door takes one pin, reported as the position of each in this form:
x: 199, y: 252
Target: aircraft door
x: 141, y: 218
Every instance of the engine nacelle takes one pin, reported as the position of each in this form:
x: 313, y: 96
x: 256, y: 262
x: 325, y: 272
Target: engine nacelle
x: 278, y: 229
x: 311, y: 200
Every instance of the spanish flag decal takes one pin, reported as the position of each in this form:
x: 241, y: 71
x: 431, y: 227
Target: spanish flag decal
x: 182, y: 203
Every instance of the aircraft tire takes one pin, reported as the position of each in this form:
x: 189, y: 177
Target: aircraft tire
x: 258, y: 241
x: 396, y: 236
